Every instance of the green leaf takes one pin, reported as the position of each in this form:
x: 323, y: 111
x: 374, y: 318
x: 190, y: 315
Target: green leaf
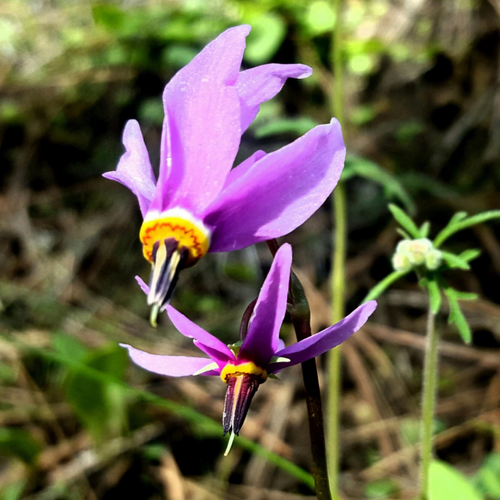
x: 458, y: 225
x: 446, y: 483
x: 434, y: 295
x: 320, y: 17
x: 456, y: 316
x: 404, y: 221
x: 20, y: 444
x: 454, y: 261
x: 458, y: 217
x: 100, y: 406
x: 384, y: 284
x: 470, y: 254
x: 425, y: 229
x: 357, y: 165
x: 296, y: 126
x: 361, y: 64
x: 487, y: 479
x: 382, y: 488
x: 268, y: 33
x: 69, y: 346
x: 13, y: 491
x: 108, y: 16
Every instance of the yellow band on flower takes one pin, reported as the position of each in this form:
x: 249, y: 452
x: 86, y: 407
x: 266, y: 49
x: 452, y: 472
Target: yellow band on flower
x: 248, y: 368
x: 190, y: 235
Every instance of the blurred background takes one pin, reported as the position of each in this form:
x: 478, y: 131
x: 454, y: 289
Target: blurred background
x: 422, y: 127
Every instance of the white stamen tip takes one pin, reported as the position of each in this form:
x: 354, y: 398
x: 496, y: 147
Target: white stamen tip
x: 229, y: 443
x: 155, y: 309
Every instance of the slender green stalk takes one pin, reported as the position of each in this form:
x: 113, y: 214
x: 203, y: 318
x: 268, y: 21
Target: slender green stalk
x: 335, y: 356
x: 338, y: 279
x: 428, y: 400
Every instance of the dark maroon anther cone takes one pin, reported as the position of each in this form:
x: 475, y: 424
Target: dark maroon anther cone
x: 239, y: 394
x: 164, y: 289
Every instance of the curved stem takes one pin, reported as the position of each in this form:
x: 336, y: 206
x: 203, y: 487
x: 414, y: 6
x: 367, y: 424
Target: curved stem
x: 338, y: 279
x: 428, y: 399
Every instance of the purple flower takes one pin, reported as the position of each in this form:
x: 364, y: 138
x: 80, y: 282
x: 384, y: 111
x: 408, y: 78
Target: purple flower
x: 198, y: 204
x: 245, y: 365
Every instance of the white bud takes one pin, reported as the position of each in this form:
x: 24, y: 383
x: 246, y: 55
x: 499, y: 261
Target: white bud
x: 433, y: 259
x: 418, y: 249
x: 401, y: 262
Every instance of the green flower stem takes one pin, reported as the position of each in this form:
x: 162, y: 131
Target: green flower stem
x: 335, y: 355
x: 428, y: 400
x: 338, y: 259
x: 301, y: 320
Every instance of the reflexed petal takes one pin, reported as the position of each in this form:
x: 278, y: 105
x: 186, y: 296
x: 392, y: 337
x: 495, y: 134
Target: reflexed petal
x: 171, y: 161
x: 220, y: 358
x: 204, y: 110
x: 134, y: 169
x: 243, y: 167
x: 327, y: 339
x: 257, y: 85
x: 192, y: 330
x: 262, y: 339
x: 173, y: 366
x: 144, y: 286
x: 280, y: 191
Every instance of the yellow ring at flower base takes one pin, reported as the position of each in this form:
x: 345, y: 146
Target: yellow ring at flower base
x: 195, y: 237
x: 248, y: 368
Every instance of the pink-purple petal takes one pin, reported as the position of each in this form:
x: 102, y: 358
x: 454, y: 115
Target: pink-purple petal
x: 262, y: 340
x: 257, y: 85
x: 281, y: 191
x: 192, y: 330
x: 172, y: 366
x: 134, y: 168
x: 243, y: 167
x: 144, y: 286
x: 171, y: 161
x: 215, y: 355
x: 324, y: 341
x: 203, y: 108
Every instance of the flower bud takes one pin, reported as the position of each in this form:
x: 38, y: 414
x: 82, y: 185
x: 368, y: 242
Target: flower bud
x: 433, y: 259
x: 413, y: 253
